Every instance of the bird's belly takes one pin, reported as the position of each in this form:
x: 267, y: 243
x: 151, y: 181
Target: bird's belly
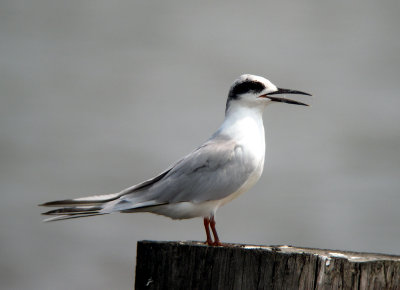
x: 187, y: 210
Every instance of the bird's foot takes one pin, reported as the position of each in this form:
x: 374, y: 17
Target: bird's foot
x: 217, y: 244
x: 214, y: 244
x: 209, y: 242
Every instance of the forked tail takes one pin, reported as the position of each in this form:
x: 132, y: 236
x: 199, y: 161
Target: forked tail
x: 78, y: 207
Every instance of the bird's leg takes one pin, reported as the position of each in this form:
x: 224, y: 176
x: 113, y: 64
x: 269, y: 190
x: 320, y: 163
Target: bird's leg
x: 206, y: 226
x: 214, y: 230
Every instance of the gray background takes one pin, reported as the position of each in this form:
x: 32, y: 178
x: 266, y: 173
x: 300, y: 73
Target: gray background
x: 99, y: 95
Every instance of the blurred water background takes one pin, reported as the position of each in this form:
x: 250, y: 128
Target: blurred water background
x: 99, y: 95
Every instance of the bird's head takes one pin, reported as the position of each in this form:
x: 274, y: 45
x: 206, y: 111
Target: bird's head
x: 255, y: 91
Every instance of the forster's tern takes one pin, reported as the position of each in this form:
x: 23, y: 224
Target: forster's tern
x: 225, y: 166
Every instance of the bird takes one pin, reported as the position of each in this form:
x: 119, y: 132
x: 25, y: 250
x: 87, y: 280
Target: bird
x: 226, y: 165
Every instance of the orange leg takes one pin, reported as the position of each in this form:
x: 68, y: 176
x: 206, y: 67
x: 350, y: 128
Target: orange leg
x: 214, y: 230
x: 206, y: 226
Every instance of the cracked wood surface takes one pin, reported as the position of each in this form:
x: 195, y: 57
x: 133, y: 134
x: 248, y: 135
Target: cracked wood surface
x: 193, y: 265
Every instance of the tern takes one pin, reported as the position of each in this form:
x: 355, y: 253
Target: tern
x: 228, y: 164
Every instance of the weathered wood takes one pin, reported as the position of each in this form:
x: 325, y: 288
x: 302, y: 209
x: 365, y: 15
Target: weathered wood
x: 193, y: 265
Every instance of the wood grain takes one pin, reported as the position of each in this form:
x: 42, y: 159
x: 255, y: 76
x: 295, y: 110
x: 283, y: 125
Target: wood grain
x: 193, y: 265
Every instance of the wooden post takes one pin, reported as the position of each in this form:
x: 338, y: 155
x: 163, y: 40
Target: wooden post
x: 193, y: 265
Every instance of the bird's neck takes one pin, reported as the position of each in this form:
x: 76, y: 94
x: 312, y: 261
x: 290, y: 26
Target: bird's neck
x: 242, y: 122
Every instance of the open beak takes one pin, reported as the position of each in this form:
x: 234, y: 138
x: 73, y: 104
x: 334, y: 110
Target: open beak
x: 284, y: 100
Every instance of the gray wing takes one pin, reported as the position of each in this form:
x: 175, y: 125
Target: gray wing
x: 213, y: 171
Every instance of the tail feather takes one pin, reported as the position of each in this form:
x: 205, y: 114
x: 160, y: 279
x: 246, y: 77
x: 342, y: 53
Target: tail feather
x: 74, y: 210
x: 88, y: 200
x: 67, y: 217
x: 96, y: 205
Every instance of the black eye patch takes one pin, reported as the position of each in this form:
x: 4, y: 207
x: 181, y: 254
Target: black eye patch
x: 245, y: 88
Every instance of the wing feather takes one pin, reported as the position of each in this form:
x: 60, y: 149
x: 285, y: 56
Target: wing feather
x: 213, y: 171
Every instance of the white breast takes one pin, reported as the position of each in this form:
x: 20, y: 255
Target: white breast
x: 245, y: 126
